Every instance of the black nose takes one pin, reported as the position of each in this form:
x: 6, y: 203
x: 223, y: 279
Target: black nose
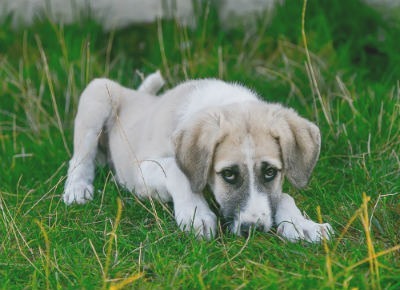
x: 246, y: 228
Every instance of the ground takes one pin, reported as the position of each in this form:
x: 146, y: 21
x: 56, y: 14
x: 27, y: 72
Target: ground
x: 340, y: 69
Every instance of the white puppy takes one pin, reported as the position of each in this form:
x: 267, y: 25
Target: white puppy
x: 202, y: 132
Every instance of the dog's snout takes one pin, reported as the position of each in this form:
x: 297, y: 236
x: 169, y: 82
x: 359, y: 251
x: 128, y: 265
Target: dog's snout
x: 246, y: 228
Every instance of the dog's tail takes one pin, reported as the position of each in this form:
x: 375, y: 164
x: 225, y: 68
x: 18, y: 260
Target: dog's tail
x: 152, y: 83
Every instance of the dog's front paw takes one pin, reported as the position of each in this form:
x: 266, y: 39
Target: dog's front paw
x: 202, y: 222
x: 305, y: 230
x: 79, y: 192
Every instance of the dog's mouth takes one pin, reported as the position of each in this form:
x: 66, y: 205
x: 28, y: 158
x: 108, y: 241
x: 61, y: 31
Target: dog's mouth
x: 231, y: 221
x: 242, y: 228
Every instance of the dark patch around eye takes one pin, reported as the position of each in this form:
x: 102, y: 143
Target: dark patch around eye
x: 231, y: 175
x: 268, y: 172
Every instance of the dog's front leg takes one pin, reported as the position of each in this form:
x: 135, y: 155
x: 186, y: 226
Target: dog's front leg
x: 293, y: 226
x: 192, y: 212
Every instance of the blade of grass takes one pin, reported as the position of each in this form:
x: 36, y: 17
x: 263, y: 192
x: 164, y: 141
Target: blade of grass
x: 328, y: 258
x: 162, y: 50
x: 373, y: 262
x: 126, y: 282
x: 309, y: 65
x: 47, y: 253
x: 113, y: 236
x: 52, y: 94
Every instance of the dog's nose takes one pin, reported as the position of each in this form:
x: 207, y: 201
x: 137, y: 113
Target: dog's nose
x: 246, y: 228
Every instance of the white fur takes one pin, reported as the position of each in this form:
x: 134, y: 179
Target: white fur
x: 140, y: 127
x: 152, y: 83
x: 258, y: 208
x: 294, y: 226
x: 214, y: 93
x: 191, y: 211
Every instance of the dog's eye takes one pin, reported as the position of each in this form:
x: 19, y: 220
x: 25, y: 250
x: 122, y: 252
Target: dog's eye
x: 269, y: 173
x: 230, y: 175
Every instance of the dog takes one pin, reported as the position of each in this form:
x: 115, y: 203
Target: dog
x: 200, y: 133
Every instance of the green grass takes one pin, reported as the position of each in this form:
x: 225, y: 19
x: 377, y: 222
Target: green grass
x: 353, y: 94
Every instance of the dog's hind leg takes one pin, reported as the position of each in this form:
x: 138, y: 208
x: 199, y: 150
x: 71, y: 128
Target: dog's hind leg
x: 97, y: 109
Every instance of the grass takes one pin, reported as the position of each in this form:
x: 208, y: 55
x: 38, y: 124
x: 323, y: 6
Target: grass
x: 347, y: 81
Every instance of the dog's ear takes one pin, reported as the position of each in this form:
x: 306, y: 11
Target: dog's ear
x: 300, y: 142
x: 194, y: 144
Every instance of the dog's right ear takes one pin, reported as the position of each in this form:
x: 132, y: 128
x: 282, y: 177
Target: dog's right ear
x: 195, y: 144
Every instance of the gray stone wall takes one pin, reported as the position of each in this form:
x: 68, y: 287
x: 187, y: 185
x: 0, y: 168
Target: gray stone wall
x: 119, y: 13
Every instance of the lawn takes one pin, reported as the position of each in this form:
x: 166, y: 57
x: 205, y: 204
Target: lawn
x: 335, y: 62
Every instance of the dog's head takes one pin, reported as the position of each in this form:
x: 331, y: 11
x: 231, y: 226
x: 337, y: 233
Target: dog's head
x: 243, y: 151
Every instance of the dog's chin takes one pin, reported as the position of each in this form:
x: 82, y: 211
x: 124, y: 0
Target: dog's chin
x: 245, y: 229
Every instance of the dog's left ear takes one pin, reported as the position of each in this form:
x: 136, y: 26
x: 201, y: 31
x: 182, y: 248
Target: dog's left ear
x: 300, y: 142
x: 194, y: 144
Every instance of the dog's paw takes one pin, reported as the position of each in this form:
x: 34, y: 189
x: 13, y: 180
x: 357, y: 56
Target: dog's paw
x: 305, y: 230
x: 203, y: 223
x: 78, y: 192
